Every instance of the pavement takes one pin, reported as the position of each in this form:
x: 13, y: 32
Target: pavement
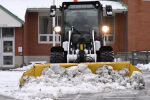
x: 115, y: 95
x: 2, y: 97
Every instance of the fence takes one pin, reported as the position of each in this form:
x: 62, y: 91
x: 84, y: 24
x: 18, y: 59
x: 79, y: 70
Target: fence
x: 134, y: 57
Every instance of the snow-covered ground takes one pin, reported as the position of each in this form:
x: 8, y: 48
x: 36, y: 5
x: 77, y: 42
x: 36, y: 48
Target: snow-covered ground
x: 144, y: 67
x: 57, y: 81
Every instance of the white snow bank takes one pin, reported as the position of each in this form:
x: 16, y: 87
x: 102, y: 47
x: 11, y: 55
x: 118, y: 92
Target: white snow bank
x: 19, y: 7
x: 25, y: 68
x: 144, y: 67
x: 9, y: 82
x: 57, y: 81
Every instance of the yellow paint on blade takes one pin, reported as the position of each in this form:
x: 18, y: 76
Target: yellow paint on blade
x: 37, y: 69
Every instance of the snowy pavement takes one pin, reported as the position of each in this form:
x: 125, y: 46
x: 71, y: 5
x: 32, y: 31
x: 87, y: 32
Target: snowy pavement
x: 2, y: 97
x: 9, y: 82
x: 115, y: 95
x: 9, y: 86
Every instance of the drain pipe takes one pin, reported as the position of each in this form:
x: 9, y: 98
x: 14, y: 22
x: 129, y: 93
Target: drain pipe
x: 23, y: 45
x: 126, y: 36
x: 126, y: 45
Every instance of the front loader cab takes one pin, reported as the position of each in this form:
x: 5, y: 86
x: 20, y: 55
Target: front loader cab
x: 81, y: 18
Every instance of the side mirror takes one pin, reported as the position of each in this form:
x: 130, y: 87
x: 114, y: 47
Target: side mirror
x: 109, y: 10
x: 53, y: 11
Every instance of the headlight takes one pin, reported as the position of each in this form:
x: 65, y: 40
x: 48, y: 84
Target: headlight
x: 57, y: 29
x: 105, y: 29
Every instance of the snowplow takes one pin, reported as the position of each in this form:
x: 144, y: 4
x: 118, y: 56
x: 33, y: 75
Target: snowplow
x: 81, y: 40
x: 36, y: 70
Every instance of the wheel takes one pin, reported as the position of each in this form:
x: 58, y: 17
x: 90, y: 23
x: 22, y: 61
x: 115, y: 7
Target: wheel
x: 57, y: 55
x: 106, y: 54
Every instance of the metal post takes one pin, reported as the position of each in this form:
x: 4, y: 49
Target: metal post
x: 54, y: 44
x: 94, y: 44
x: 70, y: 32
x: 133, y: 57
x: 147, y: 57
x: 53, y: 2
x: 104, y: 40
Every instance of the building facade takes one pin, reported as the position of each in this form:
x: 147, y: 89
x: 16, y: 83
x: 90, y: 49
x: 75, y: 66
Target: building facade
x: 30, y: 39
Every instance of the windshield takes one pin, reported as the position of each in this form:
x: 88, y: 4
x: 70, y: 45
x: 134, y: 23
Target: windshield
x: 81, y: 19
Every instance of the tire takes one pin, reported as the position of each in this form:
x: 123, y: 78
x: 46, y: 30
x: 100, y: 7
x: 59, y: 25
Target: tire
x: 106, y: 54
x: 57, y: 55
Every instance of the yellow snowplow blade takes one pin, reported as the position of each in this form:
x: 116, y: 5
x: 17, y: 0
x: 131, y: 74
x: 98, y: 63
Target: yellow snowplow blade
x: 37, y: 69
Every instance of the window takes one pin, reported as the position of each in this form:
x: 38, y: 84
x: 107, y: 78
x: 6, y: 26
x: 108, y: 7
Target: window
x: 7, y: 60
x: 45, y: 25
x: 46, y: 29
x: 8, y: 46
x: 109, y: 21
x: 7, y: 32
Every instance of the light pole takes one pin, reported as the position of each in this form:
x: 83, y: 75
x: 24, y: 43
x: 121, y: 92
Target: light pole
x: 54, y: 44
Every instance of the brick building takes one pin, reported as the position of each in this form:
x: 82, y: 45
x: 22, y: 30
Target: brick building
x: 26, y: 30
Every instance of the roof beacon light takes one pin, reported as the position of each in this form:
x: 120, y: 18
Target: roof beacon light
x: 75, y: 0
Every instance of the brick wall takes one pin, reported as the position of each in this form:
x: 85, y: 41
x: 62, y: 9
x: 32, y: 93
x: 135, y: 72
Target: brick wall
x: 18, y: 40
x: 119, y: 42
x: 138, y: 25
x: 32, y: 47
x: 119, y: 32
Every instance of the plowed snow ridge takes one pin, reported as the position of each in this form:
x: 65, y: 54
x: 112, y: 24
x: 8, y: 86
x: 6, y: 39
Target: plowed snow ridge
x: 57, y: 81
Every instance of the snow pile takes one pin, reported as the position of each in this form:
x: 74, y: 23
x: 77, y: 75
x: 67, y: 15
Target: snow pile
x: 31, y: 64
x: 24, y: 68
x: 9, y: 82
x: 57, y: 81
x: 144, y: 67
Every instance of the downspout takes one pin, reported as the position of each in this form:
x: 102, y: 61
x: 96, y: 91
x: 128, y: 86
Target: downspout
x: 126, y: 28
x: 126, y: 45
x: 23, y: 45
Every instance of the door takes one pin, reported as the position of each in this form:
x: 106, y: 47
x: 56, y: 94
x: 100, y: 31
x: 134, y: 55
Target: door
x: 7, y: 47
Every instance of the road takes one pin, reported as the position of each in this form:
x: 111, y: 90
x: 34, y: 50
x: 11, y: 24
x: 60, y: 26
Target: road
x: 117, y: 95
x: 6, y: 98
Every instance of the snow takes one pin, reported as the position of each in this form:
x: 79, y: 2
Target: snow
x: 143, y: 67
x: 9, y: 81
x: 57, y: 81
x: 25, y: 68
x: 19, y: 7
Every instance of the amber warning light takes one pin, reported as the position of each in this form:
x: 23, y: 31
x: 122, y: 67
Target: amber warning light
x: 75, y: 0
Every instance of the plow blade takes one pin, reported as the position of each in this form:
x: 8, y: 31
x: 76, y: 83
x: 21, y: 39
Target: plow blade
x: 37, y: 69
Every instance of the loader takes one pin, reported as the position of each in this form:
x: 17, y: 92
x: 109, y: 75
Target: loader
x: 82, y: 40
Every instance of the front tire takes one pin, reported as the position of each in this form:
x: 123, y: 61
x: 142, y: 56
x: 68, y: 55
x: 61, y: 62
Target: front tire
x: 106, y: 54
x: 57, y: 55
